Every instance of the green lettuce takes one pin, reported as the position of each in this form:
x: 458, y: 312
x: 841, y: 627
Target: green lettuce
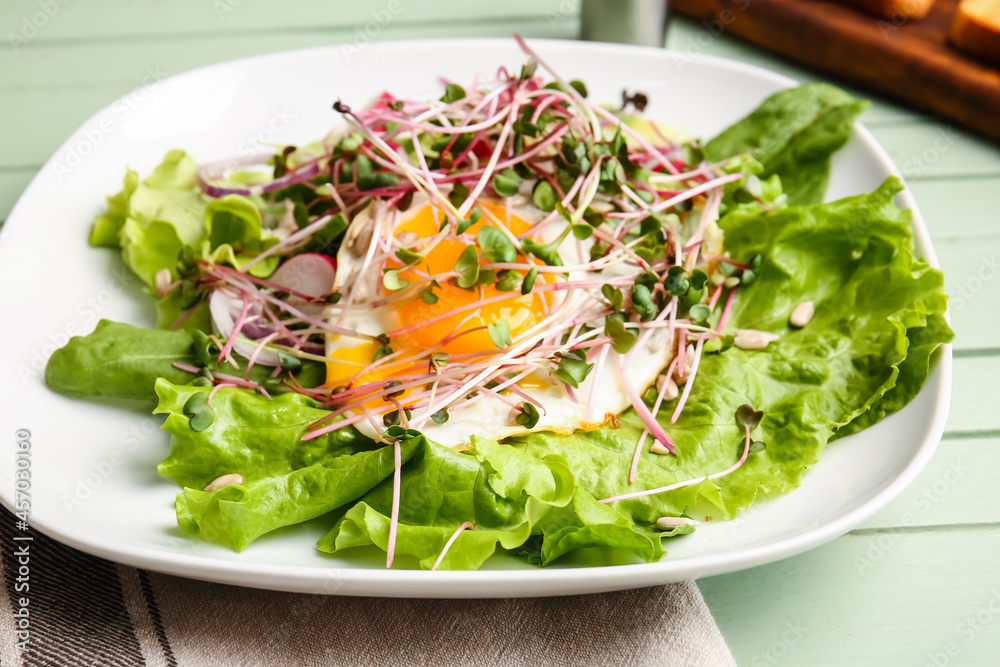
x: 865, y: 354
x: 875, y: 301
x: 285, y: 480
x: 793, y: 134
x: 119, y: 361
x: 122, y: 361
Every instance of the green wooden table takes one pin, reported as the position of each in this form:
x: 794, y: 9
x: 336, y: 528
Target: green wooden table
x: 918, y: 584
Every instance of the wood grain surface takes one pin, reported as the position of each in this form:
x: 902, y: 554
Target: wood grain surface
x: 906, y: 59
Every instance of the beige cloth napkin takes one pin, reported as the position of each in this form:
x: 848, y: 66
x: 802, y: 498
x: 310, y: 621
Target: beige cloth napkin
x: 88, y: 611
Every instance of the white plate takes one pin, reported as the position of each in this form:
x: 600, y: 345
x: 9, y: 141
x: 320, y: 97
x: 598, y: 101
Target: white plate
x: 94, y: 484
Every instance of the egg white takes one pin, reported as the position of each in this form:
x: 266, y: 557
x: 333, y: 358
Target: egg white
x: 489, y: 416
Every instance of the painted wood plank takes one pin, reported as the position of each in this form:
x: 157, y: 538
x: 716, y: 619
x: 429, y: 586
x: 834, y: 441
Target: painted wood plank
x: 39, y: 22
x: 887, y: 599
x: 82, y: 64
x: 971, y: 267
x: 37, y: 119
x: 932, y: 149
x: 696, y: 37
x: 959, y: 207
x: 974, y: 396
x: 957, y: 487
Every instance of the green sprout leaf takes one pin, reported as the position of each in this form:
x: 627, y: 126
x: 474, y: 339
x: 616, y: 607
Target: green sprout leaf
x: 499, y: 333
x: 544, y: 196
x: 700, y: 313
x: 441, y: 416
x: 506, y: 183
x: 509, y: 280
x: 529, y: 415
x: 288, y: 362
x: 529, y: 280
x: 583, y: 231
x: 622, y: 340
x: 463, y: 225
x: 196, y: 403
x: 408, y: 256
x: 747, y: 417
x: 642, y: 301
x: 459, y: 193
x: 202, y: 420
x: 677, y: 282
x: 495, y: 245
x: 614, y: 297
x: 453, y: 93
x: 392, y: 281
x: 572, y: 371
x: 467, y: 268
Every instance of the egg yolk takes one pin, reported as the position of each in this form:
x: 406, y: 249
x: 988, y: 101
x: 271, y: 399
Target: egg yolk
x: 521, y: 312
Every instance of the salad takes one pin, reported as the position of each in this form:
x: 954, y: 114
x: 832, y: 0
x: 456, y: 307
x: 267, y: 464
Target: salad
x: 510, y: 318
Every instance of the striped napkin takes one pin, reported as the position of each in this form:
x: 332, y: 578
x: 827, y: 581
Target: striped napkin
x: 83, y: 610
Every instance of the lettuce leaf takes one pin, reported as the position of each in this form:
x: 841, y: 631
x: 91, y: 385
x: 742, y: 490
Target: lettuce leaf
x: 875, y: 302
x: 793, y: 134
x: 122, y: 361
x: 119, y: 361
x: 286, y: 480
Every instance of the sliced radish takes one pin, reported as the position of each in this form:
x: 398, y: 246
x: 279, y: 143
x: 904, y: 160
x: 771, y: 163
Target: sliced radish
x: 225, y: 311
x: 310, y: 273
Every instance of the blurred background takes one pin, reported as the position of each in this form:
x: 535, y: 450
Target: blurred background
x: 918, y: 584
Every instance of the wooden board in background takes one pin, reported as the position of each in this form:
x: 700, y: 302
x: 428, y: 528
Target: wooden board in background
x: 908, y: 60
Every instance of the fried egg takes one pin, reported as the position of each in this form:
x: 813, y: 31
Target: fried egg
x: 489, y: 416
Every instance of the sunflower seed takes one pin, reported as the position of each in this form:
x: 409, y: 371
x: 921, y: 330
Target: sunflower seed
x: 225, y: 480
x: 671, y: 522
x: 802, y: 314
x: 752, y: 339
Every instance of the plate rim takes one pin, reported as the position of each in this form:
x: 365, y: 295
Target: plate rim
x: 365, y: 581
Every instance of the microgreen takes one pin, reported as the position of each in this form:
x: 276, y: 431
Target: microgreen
x: 196, y: 403
x: 677, y: 282
x: 700, y: 313
x: 544, y: 196
x: 467, y: 268
x: 747, y: 417
x: 289, y: 362
x: 459, y: 193
x: 440, y: 417
x: 392, y: 281
x: 622, y: 340
x: 572, y: 370
x: 642, y: 301
x: 506, y: 183
x: 495, y: 245
x: 499, y: 333
x: 529, y: 280
x: 202, y: 420
x: 408, y: 256
x: 614, y: 297
x: 463, y: 225
x: 368, y: 179
x: 508, y: 280
x: 453, y: 93
x: 529, y: 416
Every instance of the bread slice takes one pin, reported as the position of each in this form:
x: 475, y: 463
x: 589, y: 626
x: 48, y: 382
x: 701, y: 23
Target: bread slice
x: 894, y: 10
x: 976, y: 29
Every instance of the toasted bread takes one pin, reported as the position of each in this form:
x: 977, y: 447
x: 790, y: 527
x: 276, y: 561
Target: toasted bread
x: 976, y: 29
x: 894, y: 10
